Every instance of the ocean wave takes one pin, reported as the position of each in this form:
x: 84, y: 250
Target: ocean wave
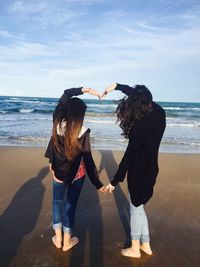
x: 23, y: 101
x: 15, y: 98
x: 23, y: 141
x: 97, y: 113
x: 183, y: 124
x: 24, y: 138
x: 28, y: 138
x: 13, y: 119
x: 101, y: 105
x: 50, y: 111
x: 11, y: 110
x: 99, y: 121
x: 172, y: 142
x: 187, y: 115
x: 182, y: 108
x: 23, y: 110
x: 26, y: 110
x: 106, y: 139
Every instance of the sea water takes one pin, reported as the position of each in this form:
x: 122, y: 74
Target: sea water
x: 27, y: 121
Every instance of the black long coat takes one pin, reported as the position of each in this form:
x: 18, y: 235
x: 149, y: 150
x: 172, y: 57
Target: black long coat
x: 140, y: 160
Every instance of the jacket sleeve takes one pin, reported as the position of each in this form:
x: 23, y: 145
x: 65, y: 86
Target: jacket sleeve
x: 123, y: 166
x: 68, y: 93
x: 48, y: 152
x: 138, y: 150
x: 127, y: 90
x: 89, y: 164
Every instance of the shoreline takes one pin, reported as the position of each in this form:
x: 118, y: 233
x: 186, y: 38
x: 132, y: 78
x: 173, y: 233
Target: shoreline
x: 97, y: 149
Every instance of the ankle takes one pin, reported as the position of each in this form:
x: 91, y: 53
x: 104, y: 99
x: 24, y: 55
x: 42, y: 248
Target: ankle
x: 66, y: 239
x: 135, y: 245
x: 145, y: 244
x: 58, y: 233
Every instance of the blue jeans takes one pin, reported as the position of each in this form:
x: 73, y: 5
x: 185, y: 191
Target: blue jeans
x: 64, y: 204
x: 139, y: 223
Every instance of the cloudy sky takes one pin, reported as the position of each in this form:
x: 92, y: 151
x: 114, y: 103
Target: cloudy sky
x: 49, y: 45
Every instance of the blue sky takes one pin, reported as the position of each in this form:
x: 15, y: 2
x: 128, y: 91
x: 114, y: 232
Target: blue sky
x: 47, y: 46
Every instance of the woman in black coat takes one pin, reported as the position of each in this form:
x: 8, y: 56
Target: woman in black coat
x: 143, y: 123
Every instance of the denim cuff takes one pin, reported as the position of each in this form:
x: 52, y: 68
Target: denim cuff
x: 135, y: 237
x: 57, y: 226
x: 67, y: 230
x: 145, y: 238
x: 142, y: 238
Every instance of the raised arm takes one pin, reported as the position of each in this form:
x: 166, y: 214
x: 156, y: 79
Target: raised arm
x: 127, y: 90
x: 69, y: 93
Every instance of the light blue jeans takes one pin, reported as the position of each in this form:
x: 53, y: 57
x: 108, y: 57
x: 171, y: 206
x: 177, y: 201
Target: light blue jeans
x: 139, y: 223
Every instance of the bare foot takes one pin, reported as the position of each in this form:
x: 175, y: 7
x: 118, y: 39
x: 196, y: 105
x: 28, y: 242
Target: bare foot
x: 56, y: 243
x: 146, y: 248
x: 73, y: 241
x: 129, y: 252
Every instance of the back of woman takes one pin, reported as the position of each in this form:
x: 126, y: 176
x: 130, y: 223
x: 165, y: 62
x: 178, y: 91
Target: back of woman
x: 70, y: 158
x: 143, y: 124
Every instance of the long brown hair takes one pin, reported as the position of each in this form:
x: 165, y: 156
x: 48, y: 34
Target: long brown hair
x: 132, y: 109
x: 67, y: 126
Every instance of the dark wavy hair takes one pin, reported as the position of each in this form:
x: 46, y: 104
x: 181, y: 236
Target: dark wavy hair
x: 133, y: 108
x: 69, y: 122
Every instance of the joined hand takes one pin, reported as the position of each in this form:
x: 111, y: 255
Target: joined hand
x: 95, y: 93
x: 91, y: 92
x: 110, y: 188
x: 108, y: 90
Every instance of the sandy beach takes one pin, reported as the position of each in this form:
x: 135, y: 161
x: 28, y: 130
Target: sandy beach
x: 102, y: 220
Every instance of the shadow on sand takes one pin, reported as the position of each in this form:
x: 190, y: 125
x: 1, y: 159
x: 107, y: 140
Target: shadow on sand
x: 21, y: 216
x: 89, y: 229
x: 110, y: 165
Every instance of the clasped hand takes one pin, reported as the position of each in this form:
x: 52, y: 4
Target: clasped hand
x: 108, y: 188
x: 95, y: 93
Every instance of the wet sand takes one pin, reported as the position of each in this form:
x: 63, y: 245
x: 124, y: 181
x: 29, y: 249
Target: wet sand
x: 102, y: 221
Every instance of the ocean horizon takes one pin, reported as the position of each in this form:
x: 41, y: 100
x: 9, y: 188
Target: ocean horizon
x: 27, y: 121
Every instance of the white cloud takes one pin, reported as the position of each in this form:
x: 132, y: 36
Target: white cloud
x: 6, y: 34
x: 47, y: 13
x: 27, y: 8
x: 21, y: 50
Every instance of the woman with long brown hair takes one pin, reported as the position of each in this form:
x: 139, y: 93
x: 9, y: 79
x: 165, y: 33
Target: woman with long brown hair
x: 70, y: 158
x: 143, y: 124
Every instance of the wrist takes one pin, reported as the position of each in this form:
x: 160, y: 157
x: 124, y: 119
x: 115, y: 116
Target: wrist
x: 114, y: 86
x: 113, y: 182
x: 85, y: 90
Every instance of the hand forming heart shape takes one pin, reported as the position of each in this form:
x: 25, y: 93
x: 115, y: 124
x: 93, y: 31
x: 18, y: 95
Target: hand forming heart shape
x: 95, y: 93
